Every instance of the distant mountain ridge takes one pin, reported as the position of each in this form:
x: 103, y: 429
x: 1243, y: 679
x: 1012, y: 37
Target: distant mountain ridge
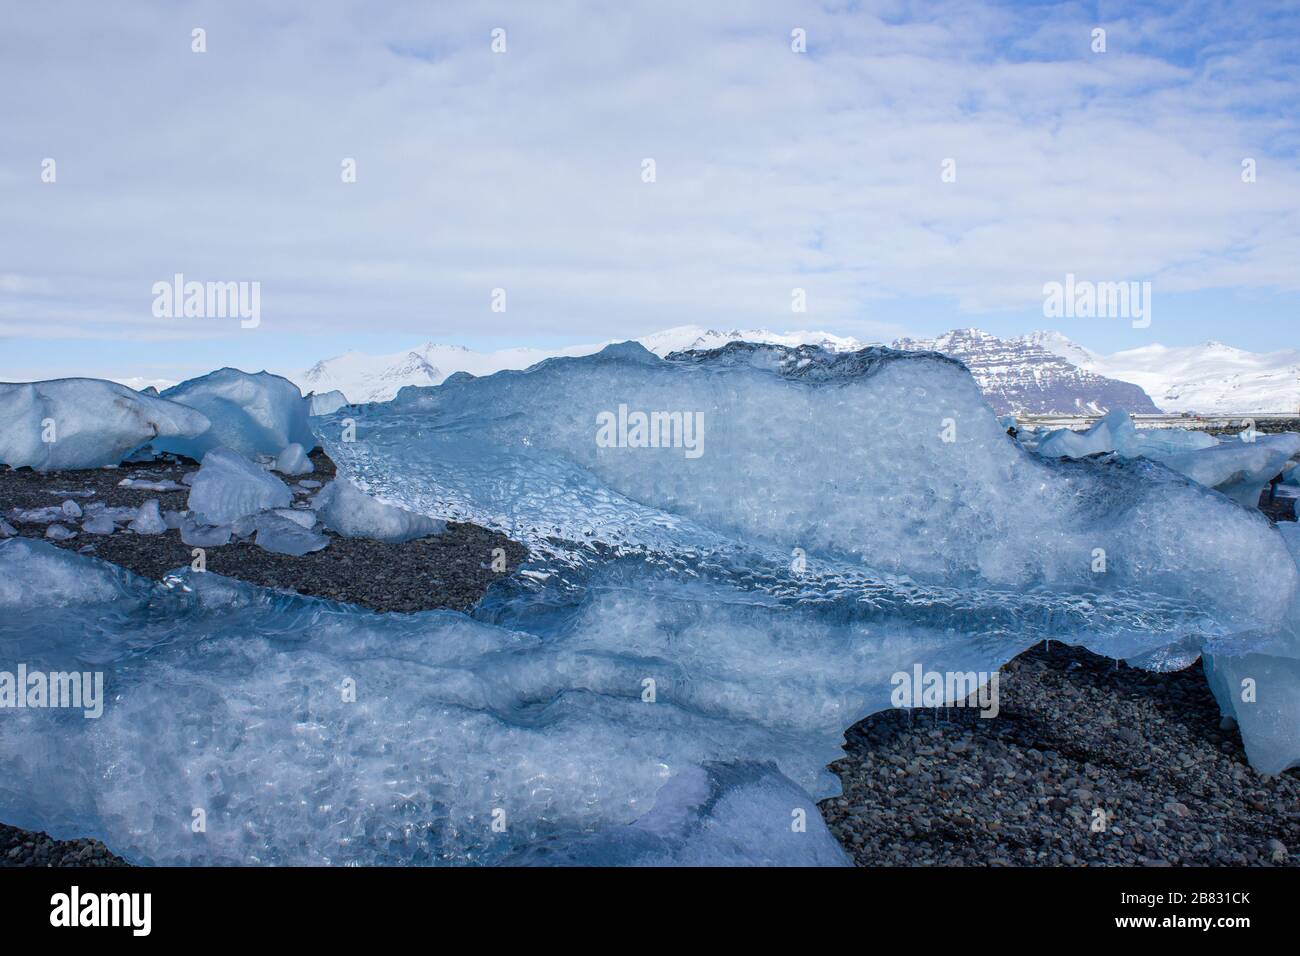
x: 1211, y: 378
x: 1021, y: 376
x: 1043, y: 372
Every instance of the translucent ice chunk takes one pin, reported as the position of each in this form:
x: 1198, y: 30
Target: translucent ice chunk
x: 148, y: 520
x: 326, y: 403
x: 229, y: 486
x: 1239, y: 469
x: 1261, y: 687
x: 283, y: 536
x: 342, y: 507
x: 293, y: 461
x: 250, y: 414
x: 36, y: 576
x: 98, y: 524
x: 85, y: 423
x: 203, y: 536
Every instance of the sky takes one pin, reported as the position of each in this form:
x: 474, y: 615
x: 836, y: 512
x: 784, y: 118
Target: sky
x: 915, y: 168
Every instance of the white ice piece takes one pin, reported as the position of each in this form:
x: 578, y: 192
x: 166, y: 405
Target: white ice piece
x: 344, y: 508
x: 148, y: 520
x: 1261, y: 687
x: 85, y: 423
x: 229, y: 486
x: 326, y: 403
x: 254, y: 415
x: 203, y: 536
x: 98, y: 524
x: 277, y: 533
x: 293, y: 461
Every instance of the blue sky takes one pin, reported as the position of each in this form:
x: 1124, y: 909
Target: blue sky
x: 522, y: 170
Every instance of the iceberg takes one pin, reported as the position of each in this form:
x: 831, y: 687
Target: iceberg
x: 344, y: 508
x: 668, y: 677
x: 229, y: 486
x: 252, y: 414
x: 86, y: 423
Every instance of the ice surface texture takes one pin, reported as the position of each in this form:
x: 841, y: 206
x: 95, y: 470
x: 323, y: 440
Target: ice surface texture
x: 253, y: 414
x: 231, y: 698
x: 668, y: 677
x: 85, y: 423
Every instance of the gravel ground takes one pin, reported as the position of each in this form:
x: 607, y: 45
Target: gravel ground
x: 1268, y: 426
x: 451, y: 570
x: 25, y: 848
x: 1075, y: 732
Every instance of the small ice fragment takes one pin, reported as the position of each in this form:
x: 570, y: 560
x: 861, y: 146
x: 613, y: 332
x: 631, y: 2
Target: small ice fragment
x: 98, y: 524
x: 71, y: 509
x: 344, y: 508
x: 293, y: 461
x: 204, y: 536
x: 56, y: 532
x: 144, y: 484
x: 283, y: 536
x: 148, y: 520
x: 306, y: 519
x: 326, y: 403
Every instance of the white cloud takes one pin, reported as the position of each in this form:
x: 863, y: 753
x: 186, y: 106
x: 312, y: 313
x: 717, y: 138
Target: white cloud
x: 522, y: 170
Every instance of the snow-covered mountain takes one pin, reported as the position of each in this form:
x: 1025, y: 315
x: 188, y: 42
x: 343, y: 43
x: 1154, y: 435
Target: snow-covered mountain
x: 1043, y: 372
x: 1212, y: 378
x: 1023, y: 375
x: 376, y: 378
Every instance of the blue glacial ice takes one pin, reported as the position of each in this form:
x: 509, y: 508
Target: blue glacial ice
x: 85, y: 423
x: 344, y: 508
x: 1256, y: 681
x: 326, y: 403
x: 671, y: 672
x: 253, y: 414
x: 228, y: 486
